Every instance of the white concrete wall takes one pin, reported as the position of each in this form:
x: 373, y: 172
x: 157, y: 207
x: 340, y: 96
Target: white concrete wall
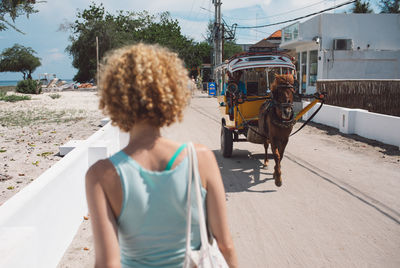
x: 351, y: 64
x: 328, y: 114
x: 38, y: 223
x: 383, y: 128
x: 379, y: 31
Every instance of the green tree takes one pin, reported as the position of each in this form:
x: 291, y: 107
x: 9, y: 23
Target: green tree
x: 124, y: 28
x: 14, y: 9
x: 209, y: 38
x: 19, y: 59
x: 389, y: 6
x: 230, y: 49
x: 361, y: 7
x: 204, y: 50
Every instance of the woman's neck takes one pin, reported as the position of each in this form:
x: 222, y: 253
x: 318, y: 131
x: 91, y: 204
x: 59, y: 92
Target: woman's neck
x: 144, y: 135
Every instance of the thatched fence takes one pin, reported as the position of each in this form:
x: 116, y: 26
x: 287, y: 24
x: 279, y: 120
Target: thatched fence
x: 377, y: 96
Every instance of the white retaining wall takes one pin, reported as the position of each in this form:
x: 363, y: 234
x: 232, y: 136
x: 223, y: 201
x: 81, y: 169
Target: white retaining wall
x: 380, y: 127
x: 38, y: 224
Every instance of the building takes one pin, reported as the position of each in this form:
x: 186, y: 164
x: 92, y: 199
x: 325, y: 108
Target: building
x: 345, y: 46
x: 245, y: 47
x: 270, y: 44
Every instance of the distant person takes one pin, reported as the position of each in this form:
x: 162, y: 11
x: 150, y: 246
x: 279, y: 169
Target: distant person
x: 235, y: 78
x: 192, y: 85
x: 231, y: 97
x: 137, y: 197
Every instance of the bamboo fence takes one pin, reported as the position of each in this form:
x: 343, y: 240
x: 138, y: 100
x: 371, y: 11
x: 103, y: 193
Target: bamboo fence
x: 378, y: 96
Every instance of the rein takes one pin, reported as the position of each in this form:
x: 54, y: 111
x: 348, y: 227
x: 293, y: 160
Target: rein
x: 310, y: 118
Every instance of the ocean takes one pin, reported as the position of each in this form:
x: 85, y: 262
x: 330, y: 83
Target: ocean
x: 8, y: 83
x: 14, y: 82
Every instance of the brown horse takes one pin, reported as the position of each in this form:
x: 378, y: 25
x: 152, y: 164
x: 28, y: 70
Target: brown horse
x: 276, y: 120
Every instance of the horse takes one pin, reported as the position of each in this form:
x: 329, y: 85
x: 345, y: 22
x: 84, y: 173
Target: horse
x: 276, y: 121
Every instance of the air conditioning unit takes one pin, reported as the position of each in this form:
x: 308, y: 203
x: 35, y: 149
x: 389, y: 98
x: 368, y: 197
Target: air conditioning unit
x: 342, y: 44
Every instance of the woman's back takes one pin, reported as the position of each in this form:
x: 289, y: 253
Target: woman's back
x: 152, y: 222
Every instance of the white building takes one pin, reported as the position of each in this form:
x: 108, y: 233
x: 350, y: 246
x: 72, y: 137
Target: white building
x: 345, y: 46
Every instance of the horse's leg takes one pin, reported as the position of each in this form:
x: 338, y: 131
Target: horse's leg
x: 281, y: 149
x: 277, y: 158
x: 283, y: 146
x: 266, y: 143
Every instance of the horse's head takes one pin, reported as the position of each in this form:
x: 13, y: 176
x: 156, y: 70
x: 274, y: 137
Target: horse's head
x: 282, y: 92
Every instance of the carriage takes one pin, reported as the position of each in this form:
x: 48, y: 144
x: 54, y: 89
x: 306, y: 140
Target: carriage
x: 246, y: 80
x: 245, y: 85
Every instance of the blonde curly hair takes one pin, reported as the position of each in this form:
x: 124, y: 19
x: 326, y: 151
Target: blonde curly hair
x: 143, y: 82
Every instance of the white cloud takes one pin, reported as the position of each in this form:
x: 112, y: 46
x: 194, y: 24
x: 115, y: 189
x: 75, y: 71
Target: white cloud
x: 56, y: 56
x: 153, y: 6
x: 54, y: 50
x: 236, y: 4
x: 59, y: 10
x: 53, y: 55
x: 193, y: 29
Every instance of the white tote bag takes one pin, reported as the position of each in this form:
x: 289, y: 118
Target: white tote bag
x: 209, y: 255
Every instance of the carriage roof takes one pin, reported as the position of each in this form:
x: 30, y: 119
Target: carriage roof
x: 249, y: 61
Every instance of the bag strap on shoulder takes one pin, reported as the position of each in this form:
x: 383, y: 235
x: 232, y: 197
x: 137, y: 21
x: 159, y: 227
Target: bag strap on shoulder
x: 194, y: 175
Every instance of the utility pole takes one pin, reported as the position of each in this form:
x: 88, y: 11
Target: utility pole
x: 217, y: 34
x: 97, y: 62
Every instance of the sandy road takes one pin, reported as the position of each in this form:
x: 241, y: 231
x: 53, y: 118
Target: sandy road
x: 339, y: 205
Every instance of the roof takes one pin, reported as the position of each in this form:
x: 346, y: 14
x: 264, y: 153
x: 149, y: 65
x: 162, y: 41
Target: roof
x: 265, y: 44
x: 275, y: 35
x: 266, y: 60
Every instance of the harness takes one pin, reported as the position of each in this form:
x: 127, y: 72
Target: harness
x: 275, y: 119
x: 283, y: 123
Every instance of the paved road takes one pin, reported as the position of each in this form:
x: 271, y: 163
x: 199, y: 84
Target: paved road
x: 339, y: 205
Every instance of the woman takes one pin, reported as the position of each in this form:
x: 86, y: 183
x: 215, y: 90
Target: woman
x: 137, y: 197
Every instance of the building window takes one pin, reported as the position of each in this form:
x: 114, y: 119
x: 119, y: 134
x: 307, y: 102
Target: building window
x: 312, y: 79
x: 303, y: 78
x: 291, y: 32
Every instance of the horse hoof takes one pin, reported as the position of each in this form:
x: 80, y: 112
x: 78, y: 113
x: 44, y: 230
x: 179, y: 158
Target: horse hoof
x: 278, y: 181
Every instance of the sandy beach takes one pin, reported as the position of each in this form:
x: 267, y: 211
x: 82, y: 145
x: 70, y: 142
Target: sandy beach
x: 31, y: 132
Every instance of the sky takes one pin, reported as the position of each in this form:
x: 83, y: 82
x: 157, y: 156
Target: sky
x: 43, y: 35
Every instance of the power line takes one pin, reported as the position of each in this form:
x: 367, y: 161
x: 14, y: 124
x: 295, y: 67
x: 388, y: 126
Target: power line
x: 195, y: 17
x: 283, y: 13
x: 299, y: 18
x: 191, y: 9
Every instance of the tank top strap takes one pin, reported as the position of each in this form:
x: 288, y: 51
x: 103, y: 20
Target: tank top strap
x: 173, y: 158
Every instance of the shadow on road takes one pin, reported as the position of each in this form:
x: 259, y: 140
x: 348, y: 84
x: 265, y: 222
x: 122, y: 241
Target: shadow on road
x: 243, y: 171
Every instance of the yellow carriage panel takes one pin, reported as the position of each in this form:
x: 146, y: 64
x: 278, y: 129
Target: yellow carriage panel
x: 248, y: 110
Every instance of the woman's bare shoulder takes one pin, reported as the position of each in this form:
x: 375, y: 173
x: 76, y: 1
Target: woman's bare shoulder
x: 101, y: 171
x: 203, y: 152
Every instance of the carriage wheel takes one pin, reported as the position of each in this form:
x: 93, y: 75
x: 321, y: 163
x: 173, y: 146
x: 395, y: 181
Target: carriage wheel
x: 226, y: 141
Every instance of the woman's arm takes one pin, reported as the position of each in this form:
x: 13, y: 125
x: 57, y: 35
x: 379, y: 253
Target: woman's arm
x: 216, y: 206
x: 102, y: 219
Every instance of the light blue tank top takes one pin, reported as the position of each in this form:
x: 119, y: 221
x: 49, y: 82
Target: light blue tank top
x: 152, y: 223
